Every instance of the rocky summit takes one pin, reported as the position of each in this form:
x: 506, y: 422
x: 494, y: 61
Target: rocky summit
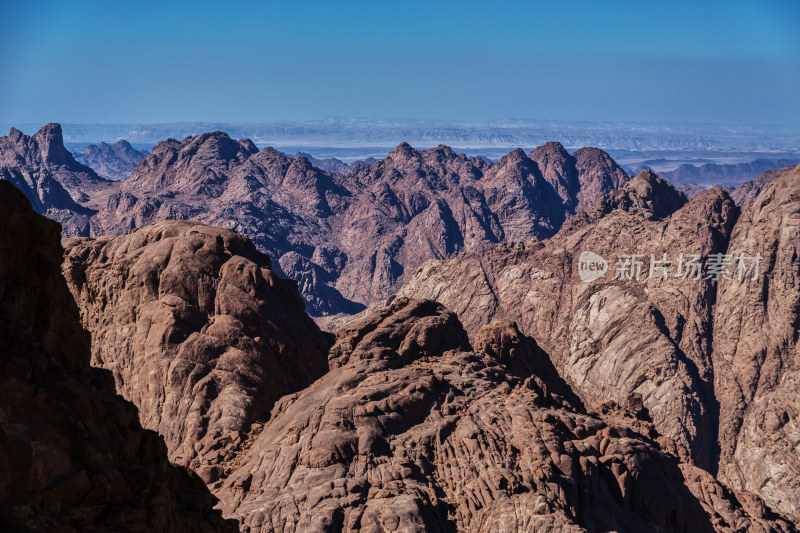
x: 56, y: 185
x: 197, y: 330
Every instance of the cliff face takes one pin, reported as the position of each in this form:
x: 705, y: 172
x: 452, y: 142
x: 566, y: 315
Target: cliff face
x: 756, y: 351
x: 609, y: 338
x: 73, y: 456
x: 196, y: 328
x: 714, y: 361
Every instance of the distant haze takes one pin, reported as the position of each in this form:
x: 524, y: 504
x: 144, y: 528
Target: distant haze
x: 355, y: 139
x: 732, y: 62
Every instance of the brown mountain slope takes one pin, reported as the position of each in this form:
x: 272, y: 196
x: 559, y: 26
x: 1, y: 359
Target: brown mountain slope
x: 410, y: 206
x: 756, y: 365
x: 73, y: 456
x: 580, y: 179
x: 608, y: 338
x: 284, y: 205
x: 197, y: 329
x: 732, y: 346
x: 747, y: 191
x: 411, y: 430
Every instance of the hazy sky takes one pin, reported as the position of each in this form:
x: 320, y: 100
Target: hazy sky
x: 727, y: 62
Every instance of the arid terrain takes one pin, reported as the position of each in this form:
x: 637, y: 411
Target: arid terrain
x: 231, y: 337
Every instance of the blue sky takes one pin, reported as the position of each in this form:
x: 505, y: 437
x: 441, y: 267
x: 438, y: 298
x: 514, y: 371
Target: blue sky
x: 720, y: 62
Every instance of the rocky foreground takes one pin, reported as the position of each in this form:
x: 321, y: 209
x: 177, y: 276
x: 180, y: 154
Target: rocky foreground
x: 409, y: 421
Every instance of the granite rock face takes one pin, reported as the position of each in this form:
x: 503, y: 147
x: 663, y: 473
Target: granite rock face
x: 756, y: 357
x: 609, y: 338
x: 111, y: 161
x: 411, y: 206
x: 73, y: 456
x: 197, y: 330
x: 412, y: 430
x: 714, y: 361
x: 580, y: 179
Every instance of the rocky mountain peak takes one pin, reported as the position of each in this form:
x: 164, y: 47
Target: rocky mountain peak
x: 645, y: 193
x: 111, y: 161
x: 550, y: 149
x: 270, y: 153
x: 51, y: 144
x: 231, y: 334
x: 404, y: 331
x: 590, y: 153
x: 195, y: 164
x: 218, y: 146
x: 402, y: 152
x: 443, y: 152
x: 558, y: 169
x: 514, y: 157
x: 53, y: 181
x: 45, y: 148
x: 248, y: 146
x: 15, y: 135
x: 656, y: 193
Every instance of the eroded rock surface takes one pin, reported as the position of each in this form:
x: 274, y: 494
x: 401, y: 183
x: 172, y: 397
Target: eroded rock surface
x: 756, y: 363
x: 411, y: 430
x: 609, y: 338
x: 720, y: 358
x: 73, y: 456
x: 196, y: 328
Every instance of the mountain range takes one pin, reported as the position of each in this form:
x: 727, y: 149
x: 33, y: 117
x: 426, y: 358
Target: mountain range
x: 348, y: 238
x: 713, y: 359
x: 111, y: 161
x: 716, y: 174
x: 543, y: 343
